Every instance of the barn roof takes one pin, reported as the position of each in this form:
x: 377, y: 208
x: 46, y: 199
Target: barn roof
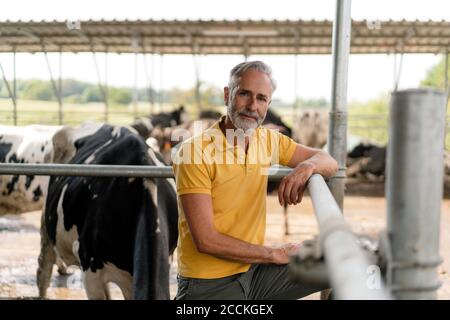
x: 221, y: 37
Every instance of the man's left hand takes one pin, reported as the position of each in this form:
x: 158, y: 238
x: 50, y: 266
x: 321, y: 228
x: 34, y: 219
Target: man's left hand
x: 294, y: 184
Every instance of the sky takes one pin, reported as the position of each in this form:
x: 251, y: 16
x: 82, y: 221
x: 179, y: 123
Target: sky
x: 369, y: 75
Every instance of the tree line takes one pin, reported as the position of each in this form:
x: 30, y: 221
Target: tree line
x: 78, y: 92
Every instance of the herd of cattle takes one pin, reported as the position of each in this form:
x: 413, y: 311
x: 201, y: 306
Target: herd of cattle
x: 122, y: 230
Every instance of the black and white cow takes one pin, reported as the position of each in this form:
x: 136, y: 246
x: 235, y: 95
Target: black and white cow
x: 170, y: 119
x: 367, y: 160
x: 28, y: 144
x: 119, y: 229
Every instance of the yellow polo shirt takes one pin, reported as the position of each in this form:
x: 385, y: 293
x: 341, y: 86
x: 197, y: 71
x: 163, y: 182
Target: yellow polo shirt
x: 237, y: 183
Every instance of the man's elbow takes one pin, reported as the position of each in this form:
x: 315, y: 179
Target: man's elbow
x: 332, y: 166
x: 204, y: 244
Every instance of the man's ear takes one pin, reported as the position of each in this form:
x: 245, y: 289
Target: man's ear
x: 226, y: 95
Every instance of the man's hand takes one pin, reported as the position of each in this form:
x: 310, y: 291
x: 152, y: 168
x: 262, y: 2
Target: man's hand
x: 294, y: 184
x: 281, y: 255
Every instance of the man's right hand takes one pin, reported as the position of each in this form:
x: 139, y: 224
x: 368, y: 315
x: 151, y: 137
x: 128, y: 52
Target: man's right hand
x: 282, y: 254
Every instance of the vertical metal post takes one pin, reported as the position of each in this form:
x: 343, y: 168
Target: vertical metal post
x: 148, y: 81
x: 399, y: 72
x: 10, y: 93
x: 161, y: 83
x: 14, y: 89
x: 100, y: 86
x: 54, y: 87
x: 196, y: 60
x: 394, y: 75
x: 295, y: 105
x: 414, y: 192
x: 337, y: 135
x: 245, y: 46
x: 152, y: 81
x: 105, y: 86
x: 135, y: 45
x: 446, y: 71
x: 446, y: 85
x: 60, y: 110
x: 447, y: 93
x: 135, y: 85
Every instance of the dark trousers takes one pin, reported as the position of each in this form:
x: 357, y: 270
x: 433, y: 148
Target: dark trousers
x: 261, y: 281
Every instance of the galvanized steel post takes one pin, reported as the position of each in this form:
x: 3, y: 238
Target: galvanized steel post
x: 337, y: 135
x: 414, y: 192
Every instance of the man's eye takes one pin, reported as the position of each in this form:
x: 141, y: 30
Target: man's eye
x: 243, y: 93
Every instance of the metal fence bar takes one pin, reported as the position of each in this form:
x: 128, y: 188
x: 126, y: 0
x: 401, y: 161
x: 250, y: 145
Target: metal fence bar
x: 347, y: 264
x: 275, y: 173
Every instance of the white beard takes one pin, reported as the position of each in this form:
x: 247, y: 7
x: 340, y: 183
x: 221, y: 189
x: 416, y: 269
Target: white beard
x: 242, y: 123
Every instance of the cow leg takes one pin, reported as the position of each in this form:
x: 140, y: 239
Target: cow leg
x: 62, y: 268
x: 286, y: 220
x: 94, y: 285
x: 127, y: 291
x: 119, y: 277
x: 46, y: 260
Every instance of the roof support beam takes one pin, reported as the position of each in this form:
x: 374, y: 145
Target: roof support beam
x: 102, y: 87
x: 135, y: 44
x: 56, y: 91
x: 10, y: 93
x: 224, y: 37
x: 161, y: 82
x: 14, y: 89
x: 148, y: 79
x: 296, y: 96
x: 196, y: 59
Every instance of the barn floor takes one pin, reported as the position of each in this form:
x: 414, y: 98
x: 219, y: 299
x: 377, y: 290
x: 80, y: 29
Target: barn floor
x: 19, y: 245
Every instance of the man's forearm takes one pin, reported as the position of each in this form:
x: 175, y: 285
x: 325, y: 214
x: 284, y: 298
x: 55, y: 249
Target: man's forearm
x: 322, y: 163
x: 226, y: 247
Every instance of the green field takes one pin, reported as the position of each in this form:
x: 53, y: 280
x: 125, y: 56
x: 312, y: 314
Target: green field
x: 47, y: 112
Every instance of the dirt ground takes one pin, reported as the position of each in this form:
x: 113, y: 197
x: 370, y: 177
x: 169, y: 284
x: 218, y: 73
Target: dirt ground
x: 19, y: 245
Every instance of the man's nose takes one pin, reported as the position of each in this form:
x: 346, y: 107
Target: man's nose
x: 252, y: 106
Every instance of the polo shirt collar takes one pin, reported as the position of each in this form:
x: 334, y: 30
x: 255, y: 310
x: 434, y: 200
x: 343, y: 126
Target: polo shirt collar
x: 218, y: 138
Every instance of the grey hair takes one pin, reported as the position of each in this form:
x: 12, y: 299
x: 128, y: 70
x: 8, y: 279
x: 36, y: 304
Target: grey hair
x: 237, y: 72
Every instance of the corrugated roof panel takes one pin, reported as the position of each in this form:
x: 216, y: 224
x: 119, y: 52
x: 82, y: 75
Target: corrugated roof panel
x: 222, y: 37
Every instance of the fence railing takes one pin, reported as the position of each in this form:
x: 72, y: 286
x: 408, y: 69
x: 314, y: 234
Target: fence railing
x: 347, y: 264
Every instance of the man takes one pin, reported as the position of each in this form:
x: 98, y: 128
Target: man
x: 221, y: 178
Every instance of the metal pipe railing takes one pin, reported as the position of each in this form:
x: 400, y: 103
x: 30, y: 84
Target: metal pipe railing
x: 275, y: 173
x: 346, y: 262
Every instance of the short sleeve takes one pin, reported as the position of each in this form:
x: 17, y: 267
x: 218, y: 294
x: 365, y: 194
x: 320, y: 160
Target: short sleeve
x: 191, y: 176
x: 283, y: 148
x: 287, y: 149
